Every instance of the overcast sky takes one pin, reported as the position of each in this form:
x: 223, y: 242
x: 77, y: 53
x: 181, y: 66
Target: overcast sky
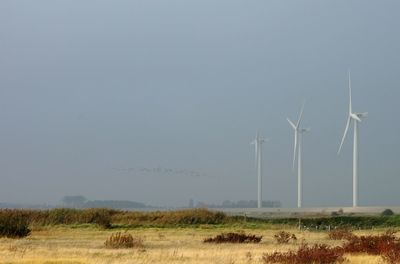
x: 157, y: 101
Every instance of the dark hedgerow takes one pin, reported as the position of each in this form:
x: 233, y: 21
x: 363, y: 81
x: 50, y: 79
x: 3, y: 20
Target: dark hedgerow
x: 234, y: 238
x: 13, y: 224
x: 193, y: 217
x: 174, y: 218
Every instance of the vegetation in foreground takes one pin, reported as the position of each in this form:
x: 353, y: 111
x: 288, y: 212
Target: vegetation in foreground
x: 306, y: 254
x: 201, y: 228
x: 64, y: 244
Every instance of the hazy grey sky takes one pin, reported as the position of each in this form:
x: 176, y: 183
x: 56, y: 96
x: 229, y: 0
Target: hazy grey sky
x: 89, y: 89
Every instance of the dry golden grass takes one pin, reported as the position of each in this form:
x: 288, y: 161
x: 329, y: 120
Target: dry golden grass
x: 182, y: 245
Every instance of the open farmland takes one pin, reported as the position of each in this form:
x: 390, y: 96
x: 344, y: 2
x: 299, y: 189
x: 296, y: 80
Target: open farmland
x: 78, y: 236
x: 161, y: 245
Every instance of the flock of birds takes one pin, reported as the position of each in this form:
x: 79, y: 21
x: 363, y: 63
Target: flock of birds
x: 160, y: 170
x: 353, y: 117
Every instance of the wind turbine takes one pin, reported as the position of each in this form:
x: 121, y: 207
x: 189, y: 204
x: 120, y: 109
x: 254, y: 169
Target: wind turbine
x: 355, y: 118
x: 258, y: 141
x: 298, y: 143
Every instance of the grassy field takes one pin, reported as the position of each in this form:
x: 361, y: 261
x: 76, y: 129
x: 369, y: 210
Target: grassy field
x: 85, y: 244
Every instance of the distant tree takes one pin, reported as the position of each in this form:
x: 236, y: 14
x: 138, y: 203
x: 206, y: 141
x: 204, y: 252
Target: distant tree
x: 387, y: 212
x: 202, y: 205
x: 227, y: 204
x: 77, y: 201
x: 272, y: 204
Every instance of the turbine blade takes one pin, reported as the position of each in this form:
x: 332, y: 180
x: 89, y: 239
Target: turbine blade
x: 345, y: 133
x: 295, y: 150
x: 291, y: 123
x: 301, y: 115
x: 350, y: 101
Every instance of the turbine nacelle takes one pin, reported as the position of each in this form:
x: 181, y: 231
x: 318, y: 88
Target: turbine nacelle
x: 297, y: 129
x: 304, y: 130
x: 362, y: 115
x: 257, y: 142
x: 358, y: 116
x: 355, y: 117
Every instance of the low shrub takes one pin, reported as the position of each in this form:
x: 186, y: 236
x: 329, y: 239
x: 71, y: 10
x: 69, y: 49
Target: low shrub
x: 123, y: 240
x: 13, y: 224
x: 321, y: 254
x: 340, y: 234
x: 234, y: 238
x: 392, y: 255
x: 101, y: 217
x: 283, y: 237
x: 374, y: 244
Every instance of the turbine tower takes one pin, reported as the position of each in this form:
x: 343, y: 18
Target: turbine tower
x: 298, y: 143
x: 258, y: 141
x: 355, y: 118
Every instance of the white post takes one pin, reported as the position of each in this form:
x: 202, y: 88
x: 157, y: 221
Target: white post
x: 355, y: 165
x: 299, y: 172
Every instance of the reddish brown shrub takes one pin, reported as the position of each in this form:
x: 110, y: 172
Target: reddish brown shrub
x: 321, y: 254
x: 283, y: 237
x: 234, y: 238
x: 392, y: 255
x: 374, y: 245
x: 340, y: 234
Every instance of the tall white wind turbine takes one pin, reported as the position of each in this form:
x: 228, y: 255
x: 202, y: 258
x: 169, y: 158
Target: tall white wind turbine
x: 355, y: 118
x: 258, y: 141
x: 298, y: 143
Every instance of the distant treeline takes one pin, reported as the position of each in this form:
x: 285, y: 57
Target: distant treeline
x: 115, y: 204
x: 241, y: 204
x: 81, y: 202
